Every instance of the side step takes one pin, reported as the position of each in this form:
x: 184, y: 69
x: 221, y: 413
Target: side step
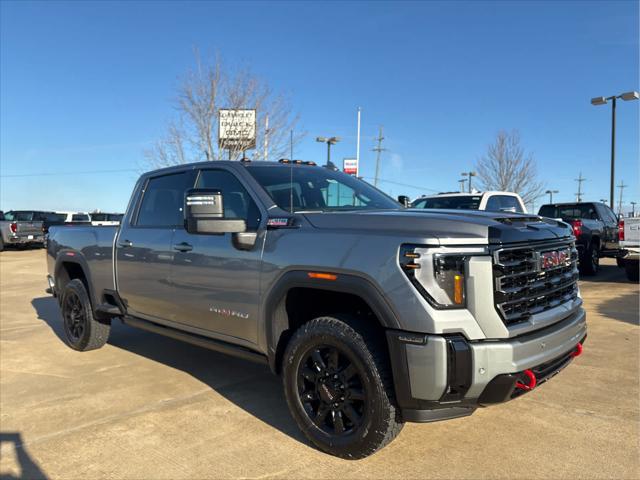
x: 199, y: 340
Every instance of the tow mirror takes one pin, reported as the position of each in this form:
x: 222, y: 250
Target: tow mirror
x: 404, y: 200
x: 204, y: 213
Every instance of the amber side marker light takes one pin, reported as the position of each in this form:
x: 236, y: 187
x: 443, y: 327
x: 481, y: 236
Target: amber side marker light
x: 458, y: 285
x: 322, y: 276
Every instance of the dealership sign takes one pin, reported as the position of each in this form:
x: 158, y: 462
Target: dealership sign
x: 350, y: 166
x: 237, y: 129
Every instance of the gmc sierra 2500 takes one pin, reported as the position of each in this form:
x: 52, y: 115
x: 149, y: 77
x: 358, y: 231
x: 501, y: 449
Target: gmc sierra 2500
x: 373, y: 314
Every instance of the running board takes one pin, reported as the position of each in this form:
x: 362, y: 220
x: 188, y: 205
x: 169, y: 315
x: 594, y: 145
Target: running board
x: 199, y: 340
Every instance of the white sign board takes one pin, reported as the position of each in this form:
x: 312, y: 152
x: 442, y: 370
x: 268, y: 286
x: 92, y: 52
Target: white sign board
x: 237, y: 129
x: 350, y: 166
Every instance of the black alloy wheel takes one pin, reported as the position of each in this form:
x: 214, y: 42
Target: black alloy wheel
x: 75, y: 317
x: 331, y: 390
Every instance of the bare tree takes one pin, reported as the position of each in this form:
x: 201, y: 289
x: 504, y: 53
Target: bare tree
x: 506, y: 166
x: 202, y: 92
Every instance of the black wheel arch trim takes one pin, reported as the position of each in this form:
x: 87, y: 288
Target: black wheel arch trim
x: 71, y: 256
x: 275, y: 316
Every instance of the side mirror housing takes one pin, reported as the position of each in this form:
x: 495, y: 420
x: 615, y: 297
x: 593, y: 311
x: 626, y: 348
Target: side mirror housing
x: 404, y: 200
x: 204, y: 213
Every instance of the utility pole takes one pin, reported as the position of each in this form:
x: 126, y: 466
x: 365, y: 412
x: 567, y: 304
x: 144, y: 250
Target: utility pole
x: 580, y: 179
x: 379, y: 150
x: 622, y: 186
x: 266, y: 138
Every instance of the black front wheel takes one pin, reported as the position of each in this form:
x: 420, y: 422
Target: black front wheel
x: 82, y: 331
x: 590, y: 261
x: 339, y: 389
x: 632, y: 270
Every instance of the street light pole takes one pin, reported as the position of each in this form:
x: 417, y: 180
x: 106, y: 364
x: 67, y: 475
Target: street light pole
x: 469, y: 174
x: 633, y: 209
x: 329, y: 141
x: 551, y: 192
x: 633, y: 95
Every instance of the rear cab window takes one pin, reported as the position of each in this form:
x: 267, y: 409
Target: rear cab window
x: 504, y: 203
x: 463, y: 202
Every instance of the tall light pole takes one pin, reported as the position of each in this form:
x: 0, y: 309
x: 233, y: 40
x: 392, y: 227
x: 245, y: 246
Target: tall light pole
x: 469, y: 174
x: 551, y: 192
x: 633, y: 209
x: 329, y: 141
x: 602, y: 101
x: 462, y: 182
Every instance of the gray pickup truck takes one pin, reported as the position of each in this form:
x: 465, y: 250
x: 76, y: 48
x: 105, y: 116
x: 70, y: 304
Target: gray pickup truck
x: 373, y: 314
x: 20, y: 230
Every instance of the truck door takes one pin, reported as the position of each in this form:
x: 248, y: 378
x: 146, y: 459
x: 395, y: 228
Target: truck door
x: 143, y: 246
x: 610, y: 228
x: 216, y: 286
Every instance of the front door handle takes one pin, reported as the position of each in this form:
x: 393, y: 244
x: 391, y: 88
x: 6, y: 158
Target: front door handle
x: 183, y: 247
x: 125, y: 243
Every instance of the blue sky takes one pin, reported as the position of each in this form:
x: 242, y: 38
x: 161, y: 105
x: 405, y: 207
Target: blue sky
x: 88, y: 85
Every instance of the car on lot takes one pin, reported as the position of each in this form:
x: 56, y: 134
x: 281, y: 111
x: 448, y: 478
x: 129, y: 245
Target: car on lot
x: 373, y: 314
x: 16, y: 230
x: 47, y: 218
x: 493, y: 201
x: 101, y: 218
x: 595, y: 227
x: 76, y: 218
x: 629, y: 235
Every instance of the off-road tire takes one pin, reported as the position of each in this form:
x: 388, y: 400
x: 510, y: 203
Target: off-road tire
x: 632, y: 269
x: 366, y: 353
x: 82, y: 331
x: 590, y: 261
x: 1, y: 244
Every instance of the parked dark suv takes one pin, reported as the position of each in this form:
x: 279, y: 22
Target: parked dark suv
x: 595, y: 227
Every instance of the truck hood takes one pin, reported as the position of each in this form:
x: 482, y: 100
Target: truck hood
x: 446, y: 226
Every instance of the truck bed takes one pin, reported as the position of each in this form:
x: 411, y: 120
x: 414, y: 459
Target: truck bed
x: 94, y: 243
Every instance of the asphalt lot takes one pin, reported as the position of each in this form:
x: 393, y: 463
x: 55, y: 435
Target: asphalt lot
x: 145, y: 406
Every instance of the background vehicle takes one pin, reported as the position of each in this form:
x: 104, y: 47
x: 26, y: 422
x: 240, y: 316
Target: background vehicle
x: 629, y: 235
x: 100, y: 218
x: 595, y: 227
x: 76, y: 218
x: 47, y: 218
x: 491, y: 201
x: 14, y: 231
x: 373, y: 314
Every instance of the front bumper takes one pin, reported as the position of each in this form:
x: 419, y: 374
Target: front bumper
x: 438, y: 377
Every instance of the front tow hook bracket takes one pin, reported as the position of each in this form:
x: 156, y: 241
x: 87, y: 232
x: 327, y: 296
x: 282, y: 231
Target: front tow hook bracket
x: 578, y: 351
x: 531, y: 384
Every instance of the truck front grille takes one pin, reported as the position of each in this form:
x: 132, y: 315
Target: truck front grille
x: 533, y: 279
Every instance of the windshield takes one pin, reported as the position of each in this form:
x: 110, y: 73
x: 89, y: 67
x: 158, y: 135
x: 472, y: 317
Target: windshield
x: 470, y: 202
x: 318, y: 188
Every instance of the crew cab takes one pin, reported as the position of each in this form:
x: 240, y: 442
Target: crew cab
x: 493, y: 201
x: 595, y: 227
x: 373, y: 314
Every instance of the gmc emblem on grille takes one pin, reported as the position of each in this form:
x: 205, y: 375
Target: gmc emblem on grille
x: 554, y: 258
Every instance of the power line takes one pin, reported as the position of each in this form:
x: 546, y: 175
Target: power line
x: 85, y: 172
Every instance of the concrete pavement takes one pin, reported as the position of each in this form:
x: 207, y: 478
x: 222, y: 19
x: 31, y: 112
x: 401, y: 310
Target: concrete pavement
x: 145, y: 406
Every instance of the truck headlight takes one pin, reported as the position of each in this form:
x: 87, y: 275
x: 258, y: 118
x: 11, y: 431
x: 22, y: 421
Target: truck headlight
x: 439, y: 274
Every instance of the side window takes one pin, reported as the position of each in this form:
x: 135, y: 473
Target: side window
x: 237, y: 201
x: 612, y: 217
x: 162, y: 201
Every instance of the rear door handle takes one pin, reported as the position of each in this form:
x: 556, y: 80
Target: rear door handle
x: 183, y: 247
x: 125, y: 243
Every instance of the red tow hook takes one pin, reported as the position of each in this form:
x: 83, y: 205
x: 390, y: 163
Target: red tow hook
x: 578, y: 351
x: 532, y: 381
